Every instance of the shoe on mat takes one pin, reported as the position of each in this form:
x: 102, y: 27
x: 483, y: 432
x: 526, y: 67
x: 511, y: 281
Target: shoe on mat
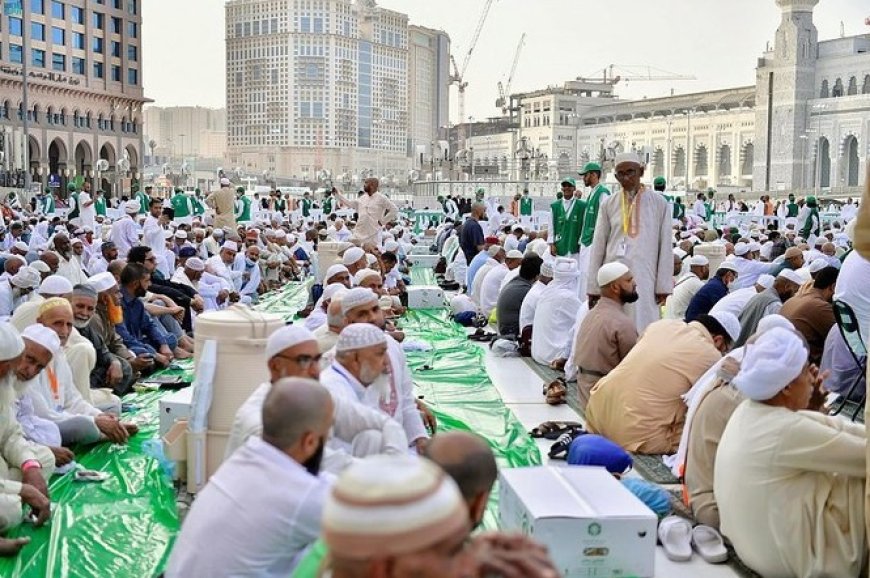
x: 675, y: 534
x: 708, y: 543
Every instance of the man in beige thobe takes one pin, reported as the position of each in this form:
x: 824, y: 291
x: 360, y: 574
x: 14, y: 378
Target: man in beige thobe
x: 223, y: 201
x: 790, y: 482
x: 374, y: 210
x: 639, y: 405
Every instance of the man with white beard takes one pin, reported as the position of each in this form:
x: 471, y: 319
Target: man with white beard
x: 68, y: 266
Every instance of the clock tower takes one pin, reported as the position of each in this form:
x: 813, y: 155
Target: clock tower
x: 785, y: 81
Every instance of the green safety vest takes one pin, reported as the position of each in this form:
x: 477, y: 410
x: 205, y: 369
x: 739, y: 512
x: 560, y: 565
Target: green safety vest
x: 327, y: 206
x: 709, y: 206
x: 306, y: 207
x: 807, y: 228
x: 198, y: 207
x: 144, y: 201
x: 181, y: 205
x: 280, y: 205
x: 99, y: 205
x: 244, y: 213
x: 567, y: 227
x: 73, y: 206
x: 47, y: 206
x: 679, y: 210
x: 791, y: 210
x: 593, y: 203
x: 526, y: 206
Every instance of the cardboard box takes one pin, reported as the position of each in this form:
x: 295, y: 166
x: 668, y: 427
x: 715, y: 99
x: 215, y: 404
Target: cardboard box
x: 174, y: 407
x: 424, y: 261
x: 592, y: 525
x: 425, y: 297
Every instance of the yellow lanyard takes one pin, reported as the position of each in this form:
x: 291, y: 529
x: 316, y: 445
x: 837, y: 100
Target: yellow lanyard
x: 629, y: 215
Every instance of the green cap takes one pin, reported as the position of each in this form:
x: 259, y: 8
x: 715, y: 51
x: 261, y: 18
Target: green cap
x: 178, y: 190
x: 197, y: 191
x: 590, y: 168
x: 570, y: 181
x: 71, y: 187
x: 659, y: 182
x: 47, y: 190
x: 240, y: 189
x: 811, y: 201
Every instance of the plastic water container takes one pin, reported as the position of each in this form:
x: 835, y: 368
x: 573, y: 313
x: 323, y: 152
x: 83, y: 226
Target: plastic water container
x: 714, y: 253
x: 327, y: 255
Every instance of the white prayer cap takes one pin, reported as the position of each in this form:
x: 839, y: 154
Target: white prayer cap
x: 547, y: 270
x: 391, y: 246
x: 76, y: 241
x: 11, y: 344
x: 291, y: 239
x: 280, y: 234
x: 334, y: 270
x: 352, y: 255
x: 728, y: 265
x: 680, y: 253
x: 102, y: 281
x: 765, y: 281
x: 565, y: 268
x: 754, y: 247
x: 27, y: 278
x: 494, y: 250
x: 55, y: 285
x: 132, y: 206
x: 287, y: 337
x: 181, y: 234
x: 817, y: 265
x: 217, y: 233
x: 371, y: 259
x: 741, y: 249
x: 514, y: 254
x: 167, y: 234
x: 627, y: 157
x: 770, y: 363
x: 359, y: 335
x: 363, y: 274
x: 42, y: 335
x: 685, y: 234
x: 230, y: 246
x: 23, y: 260
x: 699, y: 261
x: 332, y: 291
x: 357, y: 297
x: 195, y: 264
x: 21, y: 246
x: 768, y: 322
x: 225, y: 182
x: 391, y: 505
x: 610, y: 272
x: 790, y: 275
x: 729, y: 323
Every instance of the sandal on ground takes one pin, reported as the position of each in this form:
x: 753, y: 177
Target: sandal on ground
x: 556, y: 392
x: 482, y: 336
x: 559, y: 450
x: 551, y: 430
x: 675, y: 534
x: 708, y: 543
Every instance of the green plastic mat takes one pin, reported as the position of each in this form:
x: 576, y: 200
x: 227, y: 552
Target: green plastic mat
x: 423, y: 276
x: 286, y: 301
x: 123, y: 527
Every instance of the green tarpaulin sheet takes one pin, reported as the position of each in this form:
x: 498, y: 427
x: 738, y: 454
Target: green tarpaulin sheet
x: 423, y: 276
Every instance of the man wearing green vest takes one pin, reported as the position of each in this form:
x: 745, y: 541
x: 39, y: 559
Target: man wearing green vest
x: 306, y: 205
x: 327, y: 204
x: 198, y: 206
x: 810, y: 223
x: 45, y: 203
x: 567, y: 222
x: 591, y: 174
x: 182, y: 207
x: 679, y: 210
x: 100, y: 203
x: 144, y: 199
x: 527, y: 207
x: 791, y: 208
x: 243, y: 206
x: 73, y: 204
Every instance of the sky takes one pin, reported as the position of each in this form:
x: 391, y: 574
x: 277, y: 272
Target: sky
x: 718, y: 42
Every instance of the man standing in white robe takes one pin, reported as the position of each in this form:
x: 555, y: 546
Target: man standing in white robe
x: 634, y: 227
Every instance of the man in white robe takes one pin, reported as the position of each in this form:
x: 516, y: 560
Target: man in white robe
x: 555, y: 314
x: 374, y: 209
x: 533, y: 297
x: 492, y: 281
x: 789, y: 481
x: 125, y: 232
x: 496, y: 257
x: 687, y: 286
x: 736, y: 301
x: 634, y: 227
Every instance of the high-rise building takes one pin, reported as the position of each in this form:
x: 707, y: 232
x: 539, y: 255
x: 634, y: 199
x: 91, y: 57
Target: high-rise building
x: 184, y: 132
x: 428, y: 86
x: 85, y: 95
x: 315, y: 86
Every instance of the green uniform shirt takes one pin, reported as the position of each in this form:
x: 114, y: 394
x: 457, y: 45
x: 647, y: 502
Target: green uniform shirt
x: 593, y: 203
x: 567, y: 227
x: 306, y: 207
x: 710, y: 210
x: 243, y: 208
x: 144, y: 201
x: 46, y: 206
x: 280, y: 205
x: 181, y: 205
x: 327, y: 206
x: 679, y: 210
x: 198, y: 207
x: 791, y: 210
x: 74, y: 208
x: 527, y: 205
x: 99, y: 205
x: 809, y: 227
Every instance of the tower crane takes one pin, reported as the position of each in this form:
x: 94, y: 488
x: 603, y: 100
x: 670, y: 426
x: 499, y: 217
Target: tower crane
x: 458, y: 76
x: 615, y: 73
x: 504, y: 91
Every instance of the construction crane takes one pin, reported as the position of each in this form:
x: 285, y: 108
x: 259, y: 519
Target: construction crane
x: 458, y: 76
x: 615, y: 73
x: 504, y: 91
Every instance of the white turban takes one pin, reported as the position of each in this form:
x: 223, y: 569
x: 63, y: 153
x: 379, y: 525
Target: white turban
x: 195, y: 264
x: 352, y: 255
x: 11, y: 344
x: 42, y: 335
x: 772, y: 362
x: 359, y: 336
x: 565, y: 269
x: 132, y: 206
x: 28, y: 278
x: 334, y: 270
x: 287, y: 337
x: 357, y: 297
x: 55, y: 285
x: 390, y: 505
x: 102, y: 281
x: 610, y: 272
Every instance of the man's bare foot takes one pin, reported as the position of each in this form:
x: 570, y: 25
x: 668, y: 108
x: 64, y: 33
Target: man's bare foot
x: 12, y: 546
x: 180, y: 353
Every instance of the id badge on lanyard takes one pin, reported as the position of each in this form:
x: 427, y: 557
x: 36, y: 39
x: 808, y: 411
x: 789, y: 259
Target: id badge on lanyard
x: 622, y: 248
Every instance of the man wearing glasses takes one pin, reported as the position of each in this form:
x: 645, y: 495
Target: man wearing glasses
x: 634, y: 228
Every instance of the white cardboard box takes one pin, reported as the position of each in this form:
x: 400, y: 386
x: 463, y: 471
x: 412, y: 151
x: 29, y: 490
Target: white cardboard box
x: 425, y: 297
x: 592, y: 525
x: 174, y: 407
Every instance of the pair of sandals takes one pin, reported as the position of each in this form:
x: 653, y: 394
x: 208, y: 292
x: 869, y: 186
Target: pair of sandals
x: 556, y: 391
x: 482, y: 336
x: 679, y: 539
x: 553, y: 430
